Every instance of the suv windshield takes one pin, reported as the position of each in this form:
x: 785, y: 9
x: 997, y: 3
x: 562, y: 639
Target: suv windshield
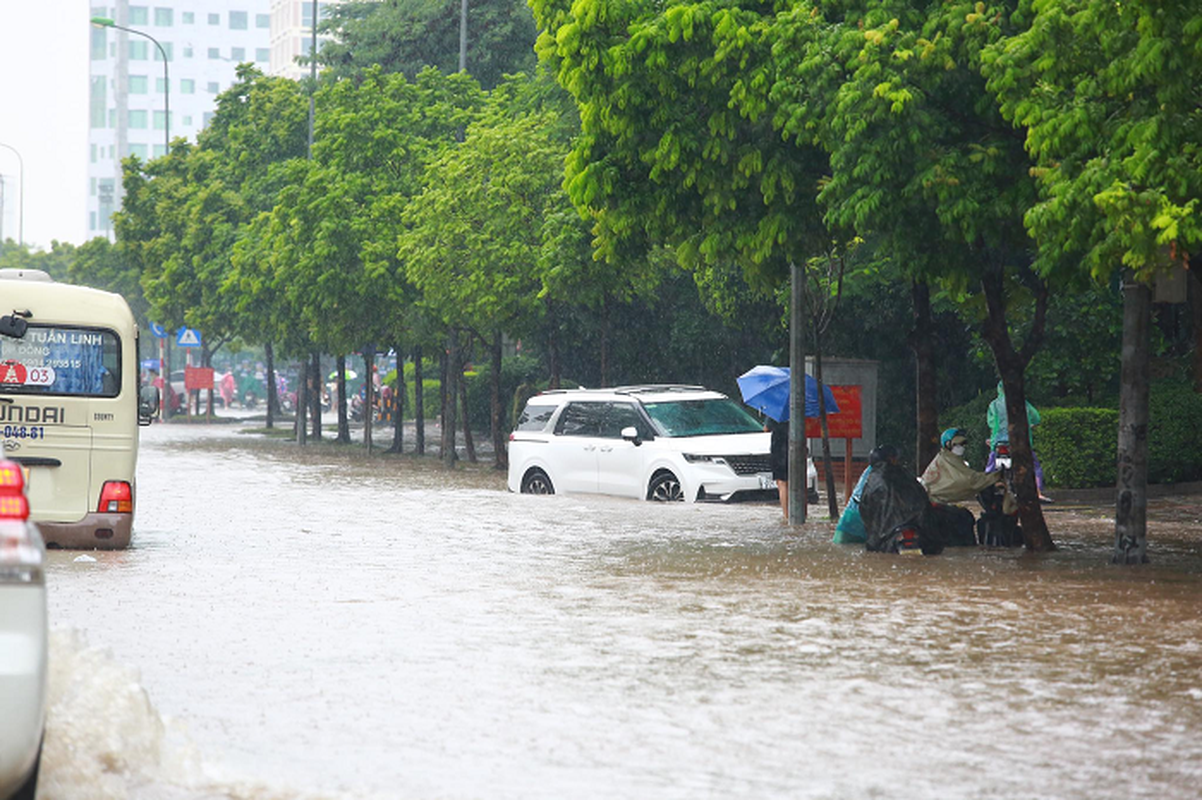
x: 701, y: 418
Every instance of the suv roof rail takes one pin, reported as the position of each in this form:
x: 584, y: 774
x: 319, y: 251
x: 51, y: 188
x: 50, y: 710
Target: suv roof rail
x: 658, y: 387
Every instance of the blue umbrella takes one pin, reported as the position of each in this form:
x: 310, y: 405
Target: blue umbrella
x: 766, y: 389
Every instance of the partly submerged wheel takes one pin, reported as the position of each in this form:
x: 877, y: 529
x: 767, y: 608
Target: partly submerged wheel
x: 537, y: 482
x: 665, y: 488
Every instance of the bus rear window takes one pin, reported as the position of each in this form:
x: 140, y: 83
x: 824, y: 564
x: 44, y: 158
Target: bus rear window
x: 61, y: 360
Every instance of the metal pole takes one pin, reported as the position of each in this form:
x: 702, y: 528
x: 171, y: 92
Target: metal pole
x: 797, y: 394
x: 20, y: 192
x: 463, y: 36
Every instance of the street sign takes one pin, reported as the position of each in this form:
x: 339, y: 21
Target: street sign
x: 198, y: 378
x: 848, y: 423
x: 188, y: 337
x: 158, y: 331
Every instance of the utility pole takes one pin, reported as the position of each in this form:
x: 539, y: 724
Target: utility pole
x: 303, y: 401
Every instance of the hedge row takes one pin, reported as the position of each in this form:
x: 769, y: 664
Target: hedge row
x: 1077, y: 445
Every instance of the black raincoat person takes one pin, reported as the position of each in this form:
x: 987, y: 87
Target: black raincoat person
x: 892, y: 497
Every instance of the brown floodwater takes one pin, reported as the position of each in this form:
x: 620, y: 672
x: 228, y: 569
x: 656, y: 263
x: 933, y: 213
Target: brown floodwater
x: 300, y: 624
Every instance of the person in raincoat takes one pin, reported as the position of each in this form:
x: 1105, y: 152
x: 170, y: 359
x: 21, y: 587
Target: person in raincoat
x: 999, y: 433
x: 948, y: 479
x: 891, y: 498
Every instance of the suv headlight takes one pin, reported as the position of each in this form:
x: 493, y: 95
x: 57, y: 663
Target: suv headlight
x: 697, y: 458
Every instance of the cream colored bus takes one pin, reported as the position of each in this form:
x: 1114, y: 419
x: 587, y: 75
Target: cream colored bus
x: 69, y: 406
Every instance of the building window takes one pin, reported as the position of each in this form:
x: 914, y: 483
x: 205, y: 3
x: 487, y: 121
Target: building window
x: 214, y: 19
x: 139, y: 150
x: 189, y: 18
x: 92, y: 220
x: 262, y: 20
x: 212, y: 87
x: 168, y: 48
x: 160, y: 150
x: 187, y: 51
x: 112, y: 123
x: 187, y: 86
x: 159, y: 118
x: 214, y: 53
x: 160, y: 85
x: 164, y: 17
x: 92, y: 189
x: 112, y: 150
x: 208, y: 118
x: 187, y: 121
x: 93, y: 154
x: 238, y: 54
x: 137, y: 119
x: 97, y: 101
x: 238, y: 20
x: 138, y: 84
x: 99, y: 40
x: 139, y: 15
x: 137, y: 50
x: 262, y: 54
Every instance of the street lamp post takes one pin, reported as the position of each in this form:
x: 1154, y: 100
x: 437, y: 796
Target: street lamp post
x: 21, y: 191
x: 105, y: 22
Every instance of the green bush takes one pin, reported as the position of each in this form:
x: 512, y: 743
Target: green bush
x: 1077, y: 446
x: 1175, y: 422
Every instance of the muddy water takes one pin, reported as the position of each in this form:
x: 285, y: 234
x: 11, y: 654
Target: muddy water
x: 305, y: 625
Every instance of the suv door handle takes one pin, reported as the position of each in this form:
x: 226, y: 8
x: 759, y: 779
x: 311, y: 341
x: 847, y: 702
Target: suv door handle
x: 589, y: 447
x: 607, y: 448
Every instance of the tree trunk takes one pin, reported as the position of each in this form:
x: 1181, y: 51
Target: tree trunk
x: 369, y: 394
x: 605, y: 341
x: 927, y: 379
x: 469, y: 443
x: 797, y: 399
x: 1131, y: 514
x: 1011, y: 365
x: 344, y: 425
x: 452, y: 391
x: 553, y: 358
x: 500, y: 455
x: 302, y: 404
x: 832, y: 502
x: 442, y: 402
x: 273, y: 397
x: 315, y: 399
x: 419, y: 404
x: 1195, y: 304
x: 398, y: 404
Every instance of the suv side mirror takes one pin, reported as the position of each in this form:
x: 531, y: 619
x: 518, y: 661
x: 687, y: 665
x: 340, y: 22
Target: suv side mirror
x: 631, y: 434
x: 148, y: 404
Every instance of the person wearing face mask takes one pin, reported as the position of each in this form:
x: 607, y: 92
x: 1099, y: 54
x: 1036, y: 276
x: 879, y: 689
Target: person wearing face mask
x: 948, y: 479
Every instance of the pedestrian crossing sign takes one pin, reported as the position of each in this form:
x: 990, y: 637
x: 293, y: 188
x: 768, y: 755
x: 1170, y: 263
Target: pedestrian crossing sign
x: 188, y: 337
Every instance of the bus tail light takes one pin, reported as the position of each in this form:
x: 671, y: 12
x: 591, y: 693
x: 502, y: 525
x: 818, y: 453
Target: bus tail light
x: 116, y: 497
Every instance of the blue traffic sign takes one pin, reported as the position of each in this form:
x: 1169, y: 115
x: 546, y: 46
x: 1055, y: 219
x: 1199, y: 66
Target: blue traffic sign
x: 188, y: 337
x: 158, y: 330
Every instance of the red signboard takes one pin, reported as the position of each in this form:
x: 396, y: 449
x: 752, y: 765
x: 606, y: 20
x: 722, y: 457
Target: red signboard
x: 202, y: 378
x: 848, y: 423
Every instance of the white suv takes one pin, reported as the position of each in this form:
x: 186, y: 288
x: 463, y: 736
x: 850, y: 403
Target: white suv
x: 22, y: 639
x: 661, y: 442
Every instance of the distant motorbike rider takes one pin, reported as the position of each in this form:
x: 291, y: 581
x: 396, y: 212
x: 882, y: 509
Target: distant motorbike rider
x: 948, y: 479
x: 893, y: 500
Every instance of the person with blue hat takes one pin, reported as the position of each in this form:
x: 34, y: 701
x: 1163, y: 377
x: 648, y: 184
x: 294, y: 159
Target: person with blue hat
x: 948, y: 478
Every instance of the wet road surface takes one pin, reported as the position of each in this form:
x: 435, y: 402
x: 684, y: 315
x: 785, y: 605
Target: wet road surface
x: 312, y: 624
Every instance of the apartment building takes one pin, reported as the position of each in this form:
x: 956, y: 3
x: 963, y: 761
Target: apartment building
x: 292, y: 35
x: 204, y: 40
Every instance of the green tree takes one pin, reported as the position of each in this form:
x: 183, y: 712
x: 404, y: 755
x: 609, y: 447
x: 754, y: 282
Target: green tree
x: 407, y: 36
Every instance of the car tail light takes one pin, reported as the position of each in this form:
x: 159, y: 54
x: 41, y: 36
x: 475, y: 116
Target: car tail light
x: 116, y: 497
x: 13, y: 503
x: 21, y: 550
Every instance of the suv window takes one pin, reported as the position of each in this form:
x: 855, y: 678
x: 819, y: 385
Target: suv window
x: 701, y: 418
x: 622, y: 415
x: 534, y: 418
x: 581, y: 419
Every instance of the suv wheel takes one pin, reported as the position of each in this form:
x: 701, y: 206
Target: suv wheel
x: 537, y: 482
x: 665, y: 488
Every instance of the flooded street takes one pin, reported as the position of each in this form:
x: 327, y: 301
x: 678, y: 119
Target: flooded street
x: 309, y: 624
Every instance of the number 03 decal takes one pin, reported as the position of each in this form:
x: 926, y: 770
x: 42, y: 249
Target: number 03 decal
x: 40, y: 376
